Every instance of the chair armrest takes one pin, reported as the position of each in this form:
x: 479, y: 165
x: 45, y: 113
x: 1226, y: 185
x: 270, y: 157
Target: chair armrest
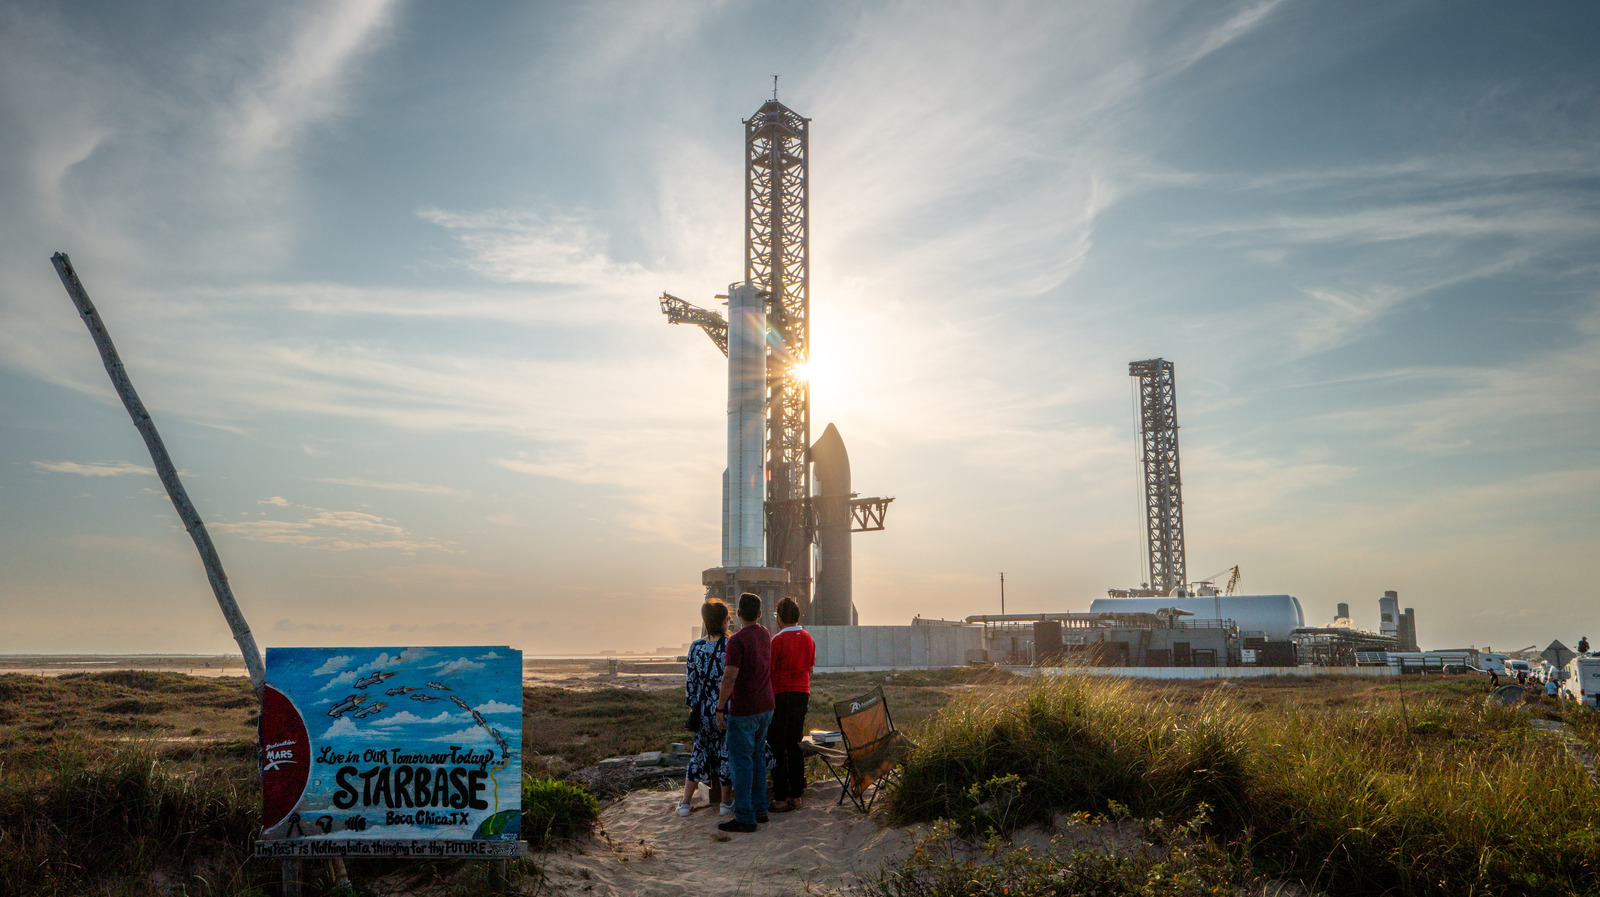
x: 826, y: 753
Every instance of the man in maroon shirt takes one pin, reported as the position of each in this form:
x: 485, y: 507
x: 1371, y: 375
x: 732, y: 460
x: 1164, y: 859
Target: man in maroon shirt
x: 744, y: 708
x: 794, y: 653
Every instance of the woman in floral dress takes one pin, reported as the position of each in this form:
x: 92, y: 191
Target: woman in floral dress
x: 709, y: 762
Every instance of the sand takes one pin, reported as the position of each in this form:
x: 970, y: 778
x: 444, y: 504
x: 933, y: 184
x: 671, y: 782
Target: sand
x: 644, y: 848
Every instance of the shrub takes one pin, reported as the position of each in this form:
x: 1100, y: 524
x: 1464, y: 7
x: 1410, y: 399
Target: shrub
x: 122, y: 816
x: 1074, y: 743
x: 1446, y: 795
x: 553, y: 810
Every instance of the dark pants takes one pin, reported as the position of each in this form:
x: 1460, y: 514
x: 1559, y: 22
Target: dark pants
x: 788, y: 724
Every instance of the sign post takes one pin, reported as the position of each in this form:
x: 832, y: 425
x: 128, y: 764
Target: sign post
x: 391, y: 752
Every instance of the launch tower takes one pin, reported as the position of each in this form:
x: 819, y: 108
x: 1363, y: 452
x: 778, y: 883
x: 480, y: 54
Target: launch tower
x: 1163, y: 486
x: 777, y: 267
x: 777, y: 260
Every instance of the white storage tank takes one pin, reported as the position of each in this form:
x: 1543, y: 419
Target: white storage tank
x: 1275, y: 615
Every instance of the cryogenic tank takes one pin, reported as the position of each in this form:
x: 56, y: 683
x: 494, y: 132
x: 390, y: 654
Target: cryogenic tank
x: 1276, y: 615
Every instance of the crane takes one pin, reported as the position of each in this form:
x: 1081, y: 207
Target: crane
x: 1233, y: 579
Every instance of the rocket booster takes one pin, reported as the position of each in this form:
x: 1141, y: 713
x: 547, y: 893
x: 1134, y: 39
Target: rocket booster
x: 744, y: 484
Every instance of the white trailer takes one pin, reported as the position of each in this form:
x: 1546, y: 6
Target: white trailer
x: 1492, y: 663
x: 1583, y: 680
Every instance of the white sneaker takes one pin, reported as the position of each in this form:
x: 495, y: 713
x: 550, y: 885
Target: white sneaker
x: 726, y: 810
x: 683, y: 808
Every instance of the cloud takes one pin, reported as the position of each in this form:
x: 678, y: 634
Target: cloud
x: 414, y: 654
x: 492, y: 655
x: 327, y: 530
x: 302, y: 83
x: 96, y: 468
x: 459, y: 665
x: 525, y: 246
x: 497, y: 707
x: 343, y: 727
x: 333, y: 665
x: 418, y: 488
x: 276, y: 501
x: 469, y: 735
x: 382, y: 661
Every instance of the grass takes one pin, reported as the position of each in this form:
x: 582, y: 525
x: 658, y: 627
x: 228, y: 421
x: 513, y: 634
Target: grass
x: 1353, y: 793
x: 1169, y: 862
x: 94, y: 818
x: 144, y: 783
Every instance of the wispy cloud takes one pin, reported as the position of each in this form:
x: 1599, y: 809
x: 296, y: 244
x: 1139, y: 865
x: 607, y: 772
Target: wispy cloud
x: 327, y: 530
x: 303, y: 82
x: 96, y: 468
x: 418, y: 488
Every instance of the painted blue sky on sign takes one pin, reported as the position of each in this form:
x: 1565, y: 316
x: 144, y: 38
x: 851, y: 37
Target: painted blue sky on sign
x: 417, y: 689
x: 412, y: 700
x: 386, y: 273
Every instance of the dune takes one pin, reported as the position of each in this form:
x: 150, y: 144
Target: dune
x: 644, y: 848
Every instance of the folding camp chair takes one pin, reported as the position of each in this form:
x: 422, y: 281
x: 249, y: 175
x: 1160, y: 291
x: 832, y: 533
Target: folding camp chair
x: 873, y: 748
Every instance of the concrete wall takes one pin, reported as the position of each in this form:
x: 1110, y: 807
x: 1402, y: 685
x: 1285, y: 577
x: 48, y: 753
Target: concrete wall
x: 1219, y: 672
x: 894, y: 647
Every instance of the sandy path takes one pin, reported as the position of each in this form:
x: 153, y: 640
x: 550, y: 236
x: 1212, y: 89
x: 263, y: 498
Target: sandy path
x: 646, y: 849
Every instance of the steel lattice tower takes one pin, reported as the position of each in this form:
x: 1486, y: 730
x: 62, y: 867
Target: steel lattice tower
x: 1163, y: 485
x: 777, y: 260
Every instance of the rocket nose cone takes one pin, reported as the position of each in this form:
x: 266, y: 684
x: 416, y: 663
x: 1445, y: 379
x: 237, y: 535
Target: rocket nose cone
x: 831, y: 462
x: 830, y: 441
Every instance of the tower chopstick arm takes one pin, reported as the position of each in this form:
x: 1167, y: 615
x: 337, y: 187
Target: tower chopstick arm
x: 866, y: 514
x: 681, y: 312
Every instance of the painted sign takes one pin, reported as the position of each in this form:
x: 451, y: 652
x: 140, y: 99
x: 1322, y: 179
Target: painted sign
x: 392, y: 752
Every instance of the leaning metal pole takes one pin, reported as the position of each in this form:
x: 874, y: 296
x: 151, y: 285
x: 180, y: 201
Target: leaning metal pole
x: 1163, y: 483
x: 169, y: 474
x: 777, y: 261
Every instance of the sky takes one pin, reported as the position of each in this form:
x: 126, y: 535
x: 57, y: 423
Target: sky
x: 385, y: 274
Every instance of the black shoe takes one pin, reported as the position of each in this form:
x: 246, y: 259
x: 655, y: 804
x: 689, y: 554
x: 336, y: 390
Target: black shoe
x: 781, y: 808
x: 761, y: 819
x: 734, y: 825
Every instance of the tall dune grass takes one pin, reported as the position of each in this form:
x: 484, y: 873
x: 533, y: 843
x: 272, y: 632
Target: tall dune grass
x: 122, y: 822
x: 1449, y: 796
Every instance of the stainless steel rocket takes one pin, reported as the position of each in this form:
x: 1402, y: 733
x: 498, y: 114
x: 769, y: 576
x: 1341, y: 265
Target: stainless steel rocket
x: 744, y: 483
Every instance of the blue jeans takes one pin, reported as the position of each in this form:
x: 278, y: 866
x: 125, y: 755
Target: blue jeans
x: 747, y: 756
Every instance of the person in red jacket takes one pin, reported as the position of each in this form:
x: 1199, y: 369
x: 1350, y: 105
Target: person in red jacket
x: 794, y: 653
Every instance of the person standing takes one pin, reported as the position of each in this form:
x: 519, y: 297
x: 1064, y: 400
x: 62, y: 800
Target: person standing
x: 794, y: 653
x: 1583, y: 645
x: 744, y: 710
x: 709, y: 761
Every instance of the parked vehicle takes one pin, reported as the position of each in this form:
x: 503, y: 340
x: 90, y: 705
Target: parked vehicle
x: 1583, y: 680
